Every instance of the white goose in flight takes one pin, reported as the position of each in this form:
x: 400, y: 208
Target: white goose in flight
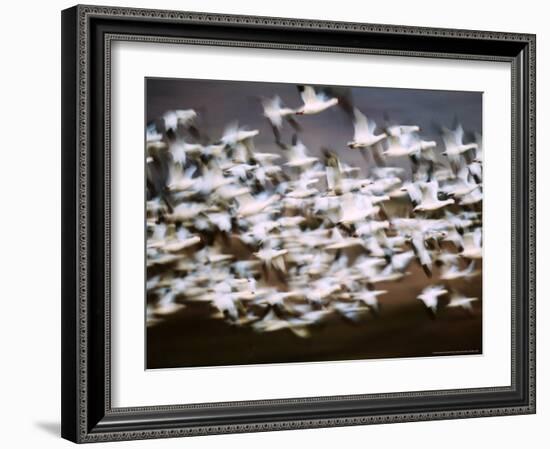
x: 413, y: 191
x: 453, y: 272
x: 233, y: 134
x: 167, y: 304
x: 423, y: 254
x: 475, y: 196
x: 351, y: 311
x: 226, y: 304
x: 387, y: 274
x: 401, y: 261
x: 430, y: 295
x: 275, y: 112
x: 367, y: 267
x: 472, y: 245
x: 222, y: 220
x: 212, y: 179
x: 179, y: 117
x: 479, y: 150
x: 182, y: 240
x: 364, y: 132
x: 462, y: 185
x: 400, y: 130
x: 180, y: 149
x: 399, y: 146
x: 338, y: 241
x: 368, y: 228
x: 301, y: 188
x: 464, y: 302
x: 152, y: 135
x: 180, y: 180
x: 297, y: 156
x: 250, y: 205
x: 314, y: 102
x: 271, y: 323
x: 320, y: 290
x: 454, y: 145
x: 356, y: 207
x: 430, y: 201
x: 272, y: 257
x: 370, y: 297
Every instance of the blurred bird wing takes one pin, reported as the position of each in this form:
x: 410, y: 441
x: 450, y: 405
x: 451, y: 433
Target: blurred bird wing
x: 271, y: 105
x: 453, y: 138
x: 469, y: 241
x: 401, y: 261
x: 333, y: 177
x: 429, y: 191
x: 230, y: 132
x: 279, y: 263
x: 299, y: 329
x: 308, y: 95
x: 185, y: 116
x: 170, y: 120
x: 361, y: 126
x: 414, y: 191
x: 429, y: 300
x: 152, y: 135
x: 459, y: 134
x: 298, y: 151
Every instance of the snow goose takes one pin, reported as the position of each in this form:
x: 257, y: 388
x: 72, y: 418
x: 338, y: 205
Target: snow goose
x: 297, y: 155
x: 356, y: 207
x: 474, y: 197
x: 271, y: 323
x: 182, y: 240
x: 453, y: 272
x: 351, y: 311
x: 314, y: 102
x: 472, y: 245
x: 400, y: 130
x: 364, y: 135
x: 275, y: 112
x: 338, y: 241
x: 167, y: 304
x: 430, y: 200
x: 233, y: 134
x: 462, y: 301
x: 369, y: 298
x: 179, y: 117
x: 252, y: 205
x: 430, y: 295
x: 453, y: 140
x: 272, y: 258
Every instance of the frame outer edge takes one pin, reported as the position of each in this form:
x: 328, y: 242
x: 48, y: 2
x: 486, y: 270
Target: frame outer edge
x: 295, y: 23
x: 532, y: 235
x: 69, y: 309
x: 75, y: 216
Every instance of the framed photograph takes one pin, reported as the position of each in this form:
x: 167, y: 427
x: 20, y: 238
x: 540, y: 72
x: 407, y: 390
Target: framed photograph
x: 276, y: 224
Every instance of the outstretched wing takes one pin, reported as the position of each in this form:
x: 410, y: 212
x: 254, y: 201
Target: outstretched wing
x: 360, y: 126
x: 308, y: 94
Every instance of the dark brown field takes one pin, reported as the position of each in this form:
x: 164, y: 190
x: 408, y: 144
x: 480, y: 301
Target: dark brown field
x: 403, y: 329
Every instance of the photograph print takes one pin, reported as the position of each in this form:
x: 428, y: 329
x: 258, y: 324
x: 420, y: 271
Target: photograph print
x: 310, y: 223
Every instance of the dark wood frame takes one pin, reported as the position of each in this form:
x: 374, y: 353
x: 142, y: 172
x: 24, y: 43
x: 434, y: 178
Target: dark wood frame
x: 87, y: 33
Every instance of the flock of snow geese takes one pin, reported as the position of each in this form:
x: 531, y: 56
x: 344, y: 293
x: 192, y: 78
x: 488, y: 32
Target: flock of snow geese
x: 283, y: 241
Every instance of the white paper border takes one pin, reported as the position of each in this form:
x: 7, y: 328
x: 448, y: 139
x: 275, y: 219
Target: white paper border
x: 133, y: 386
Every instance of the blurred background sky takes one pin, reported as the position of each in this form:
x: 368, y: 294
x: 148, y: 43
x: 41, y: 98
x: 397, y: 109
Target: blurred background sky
x: 218, y: 103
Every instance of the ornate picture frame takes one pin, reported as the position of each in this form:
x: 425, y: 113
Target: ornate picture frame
x: 87, y: 35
